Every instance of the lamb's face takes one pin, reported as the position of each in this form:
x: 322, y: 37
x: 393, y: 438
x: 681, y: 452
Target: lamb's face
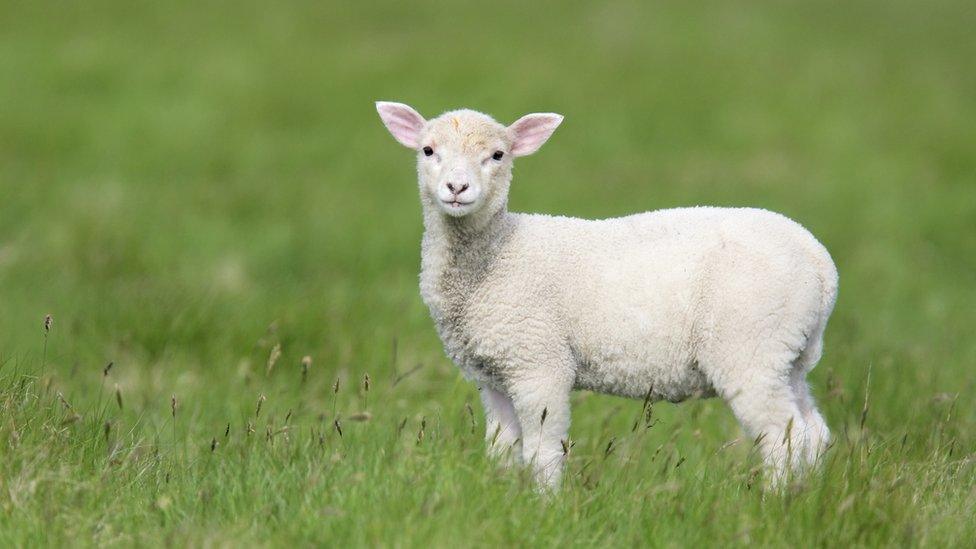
x: 463, y: 163
x: 464, y: 158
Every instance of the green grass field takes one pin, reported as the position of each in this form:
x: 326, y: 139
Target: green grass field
x: 193, y: 190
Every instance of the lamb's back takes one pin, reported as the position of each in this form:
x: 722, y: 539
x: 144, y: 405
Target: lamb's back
x: 646, y: 275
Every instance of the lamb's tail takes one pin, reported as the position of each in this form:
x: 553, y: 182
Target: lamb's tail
x: 827, y: 273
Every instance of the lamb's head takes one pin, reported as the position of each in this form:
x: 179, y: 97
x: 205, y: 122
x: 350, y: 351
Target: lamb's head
x: 464, y: 157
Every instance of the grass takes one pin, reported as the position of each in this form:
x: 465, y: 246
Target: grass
x: 203, y: 196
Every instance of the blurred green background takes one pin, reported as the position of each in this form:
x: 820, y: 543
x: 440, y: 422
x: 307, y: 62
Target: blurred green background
x: 184, y: 185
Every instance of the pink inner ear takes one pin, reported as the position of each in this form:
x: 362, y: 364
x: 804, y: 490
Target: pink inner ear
x: 532, y: 130
x: 403, y: 122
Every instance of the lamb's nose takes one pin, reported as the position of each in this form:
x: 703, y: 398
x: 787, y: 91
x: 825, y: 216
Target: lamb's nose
x: 456, y: 189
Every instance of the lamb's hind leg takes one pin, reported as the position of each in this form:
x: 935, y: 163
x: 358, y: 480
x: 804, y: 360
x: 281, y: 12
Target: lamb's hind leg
x: 819, y: 434
x: 763, y: 400
x: 769, y: 413
x: 502, y: 430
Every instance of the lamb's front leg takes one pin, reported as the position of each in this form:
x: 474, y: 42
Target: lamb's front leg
x: 502, y: 430
x: 542, y: 406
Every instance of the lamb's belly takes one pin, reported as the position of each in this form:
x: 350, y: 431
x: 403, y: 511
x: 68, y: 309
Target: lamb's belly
x: 668, y: 376
x: 645, y: 341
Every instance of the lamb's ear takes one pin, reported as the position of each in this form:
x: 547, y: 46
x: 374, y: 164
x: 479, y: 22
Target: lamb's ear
x: 402, y: 121
x: 532, y: 130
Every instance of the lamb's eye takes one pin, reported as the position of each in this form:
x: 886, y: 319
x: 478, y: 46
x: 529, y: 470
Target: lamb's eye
x: 428, y: 151
x: 498, y: 155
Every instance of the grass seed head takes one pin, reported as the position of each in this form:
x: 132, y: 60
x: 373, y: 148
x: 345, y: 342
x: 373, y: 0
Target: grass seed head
x: 273, y: 357
x: 470, y: 411
x: 422, y: 431
x: 257, y: 410
x: 361, y: 416
x: 496, y: 434
x: 48, y: 323
x: 172, y: 405
x: 306, y: 365
x: 867, y: 394
x: 118, y: 395
x: 567, y: 445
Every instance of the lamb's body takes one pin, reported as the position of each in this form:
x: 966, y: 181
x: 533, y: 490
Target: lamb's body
x: 649, y: 301
x: 682, y: 302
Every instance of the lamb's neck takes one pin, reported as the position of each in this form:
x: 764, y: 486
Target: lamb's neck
x: 457, y: 254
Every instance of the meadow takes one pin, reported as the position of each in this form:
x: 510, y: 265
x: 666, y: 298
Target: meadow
x: 201, y: 196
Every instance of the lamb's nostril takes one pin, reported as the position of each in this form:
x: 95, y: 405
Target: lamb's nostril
x: 450, y: 187
x: 463, y: 188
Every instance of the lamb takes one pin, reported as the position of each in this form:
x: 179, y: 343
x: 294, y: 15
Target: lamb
x: 667, y: 304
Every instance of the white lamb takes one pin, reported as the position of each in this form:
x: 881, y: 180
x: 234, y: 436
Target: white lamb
x: 671, y: 303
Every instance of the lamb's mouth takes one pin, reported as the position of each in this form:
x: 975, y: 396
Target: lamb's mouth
x: 455, y: 203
